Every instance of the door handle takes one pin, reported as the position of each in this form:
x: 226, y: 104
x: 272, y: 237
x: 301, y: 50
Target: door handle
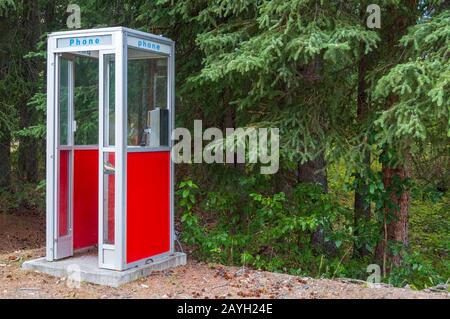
x: 108, y: 168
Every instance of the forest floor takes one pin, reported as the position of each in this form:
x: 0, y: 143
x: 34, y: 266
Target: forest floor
x: 22, y: 237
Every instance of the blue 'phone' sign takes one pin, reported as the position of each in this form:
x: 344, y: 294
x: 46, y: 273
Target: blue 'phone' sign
x: 149, y: 45
x: 84, y: 41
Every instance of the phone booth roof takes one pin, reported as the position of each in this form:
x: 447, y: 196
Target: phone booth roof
x: 106, y: 31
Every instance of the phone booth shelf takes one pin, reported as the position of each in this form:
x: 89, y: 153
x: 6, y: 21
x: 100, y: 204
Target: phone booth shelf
x: 110, y: 179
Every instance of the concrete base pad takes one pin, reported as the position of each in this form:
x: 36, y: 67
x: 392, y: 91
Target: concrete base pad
x: 85, y: 268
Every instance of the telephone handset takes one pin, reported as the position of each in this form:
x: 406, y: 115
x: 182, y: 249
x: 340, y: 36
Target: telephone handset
x: 157, y: 130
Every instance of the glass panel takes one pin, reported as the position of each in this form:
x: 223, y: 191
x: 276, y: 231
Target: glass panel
x: 86, y: 100
x: 108, y: 197
x: 147, y: 91
x: 109, y: 100
x: 63, y: 101
x: 160, y: 84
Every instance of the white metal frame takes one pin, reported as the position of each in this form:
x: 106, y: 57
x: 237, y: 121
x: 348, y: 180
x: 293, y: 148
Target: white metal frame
x: 63, y: 246
x: 119, y: 46
x: 107, y: 254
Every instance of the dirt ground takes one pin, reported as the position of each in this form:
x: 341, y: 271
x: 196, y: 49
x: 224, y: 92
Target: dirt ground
x: 22, y: 237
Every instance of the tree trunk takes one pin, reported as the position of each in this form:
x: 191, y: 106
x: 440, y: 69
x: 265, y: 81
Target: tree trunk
x: 362, y: 206
x: 28, y: 154
x: 396, y: 209
x: 396, y: 216
x: 362, y: 211
x: 50, y: 16
x: 314, y: 172
x: 229, y: 121
x: 5, y: 158
x: 5, y: 130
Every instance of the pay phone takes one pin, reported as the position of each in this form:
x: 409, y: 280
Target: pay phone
x: 157, y: 132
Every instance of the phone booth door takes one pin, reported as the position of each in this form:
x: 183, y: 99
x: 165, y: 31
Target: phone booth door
x: 85, y: 155
x: 64, y: 158
x: 107, y: 161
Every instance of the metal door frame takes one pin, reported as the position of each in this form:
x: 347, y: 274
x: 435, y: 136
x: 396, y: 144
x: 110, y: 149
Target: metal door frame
x: 64, y: 245
x: 109, y: 256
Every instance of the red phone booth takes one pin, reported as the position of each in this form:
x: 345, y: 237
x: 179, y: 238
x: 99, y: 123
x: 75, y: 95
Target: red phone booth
x: 110, y: 111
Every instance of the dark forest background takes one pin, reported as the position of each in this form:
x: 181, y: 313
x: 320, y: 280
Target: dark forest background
x: 363, y: 117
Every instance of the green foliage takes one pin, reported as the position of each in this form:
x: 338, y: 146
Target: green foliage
x: 416, y: 271
x: 421, y: 84
x: 286, y: 59
x: 6, y: 6
x: 186, y: 193
x: 271, y: 232
x: 274, y: 231
x: 23, y: 197
x: 430, y: 229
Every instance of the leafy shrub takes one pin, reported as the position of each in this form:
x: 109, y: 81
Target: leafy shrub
x: 416, y: 271
x: 270, y: 232
x: 430, y: 231
x: 241, y: 226
x: 23, y: 197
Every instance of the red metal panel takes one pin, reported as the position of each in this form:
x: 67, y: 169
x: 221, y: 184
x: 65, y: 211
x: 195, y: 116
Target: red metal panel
x: 85, y: 198
x: 148, y: 204
x: 63, y: 192
x: 111, y: 201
